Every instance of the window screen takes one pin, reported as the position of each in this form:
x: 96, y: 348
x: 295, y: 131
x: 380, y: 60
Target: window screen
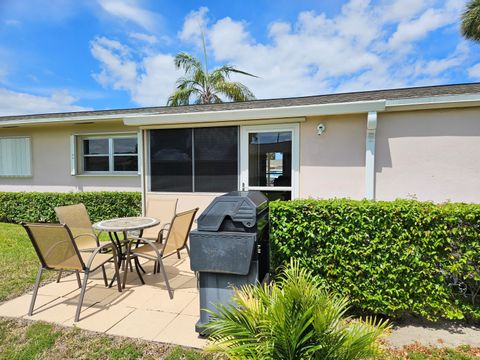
x: 216, y: 159
x: 171, y: 160
x: 194, y: 160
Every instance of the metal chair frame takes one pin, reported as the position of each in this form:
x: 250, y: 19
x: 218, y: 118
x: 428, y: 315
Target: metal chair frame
x: 85, y: 268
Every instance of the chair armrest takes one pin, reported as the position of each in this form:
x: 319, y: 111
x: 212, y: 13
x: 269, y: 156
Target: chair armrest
x: 95, y: 237
x: 150, y: 243
x: 100, y: 248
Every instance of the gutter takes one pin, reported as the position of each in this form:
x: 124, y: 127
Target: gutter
x: 433, y: 102
x: 257, y: 114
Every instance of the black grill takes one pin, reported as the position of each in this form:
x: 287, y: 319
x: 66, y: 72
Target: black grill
x: 230, y: 247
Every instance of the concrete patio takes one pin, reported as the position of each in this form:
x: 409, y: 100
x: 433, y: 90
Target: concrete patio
x: 140, y: 311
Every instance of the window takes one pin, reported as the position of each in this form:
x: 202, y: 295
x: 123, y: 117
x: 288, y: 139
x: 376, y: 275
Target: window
x: 194, y: 160
x: 109, y: 154
x: 15, y: 156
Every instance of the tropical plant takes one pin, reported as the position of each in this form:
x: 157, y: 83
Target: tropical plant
x: 206, y: 87
x: 471, y: 20
x: 294, y: 317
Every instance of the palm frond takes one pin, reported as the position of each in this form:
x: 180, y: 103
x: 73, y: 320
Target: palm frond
x: 181, y: 96
x: 186, y: 62
x: 293, y: 318
x: 226, y: 70
x: 233, y: 91
x: 470, y: 26
x: 205, y: 87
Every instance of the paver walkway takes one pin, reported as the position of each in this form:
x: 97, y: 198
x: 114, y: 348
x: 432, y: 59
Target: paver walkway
x: 442, y: 333
x: 147, y: 312
x: 140, y: 311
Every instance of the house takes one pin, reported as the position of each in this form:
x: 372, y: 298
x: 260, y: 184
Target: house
x: 421, y: 142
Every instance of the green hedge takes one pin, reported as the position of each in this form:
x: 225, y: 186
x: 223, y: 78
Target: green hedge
x: 390, y: 258
x: 35, y: 206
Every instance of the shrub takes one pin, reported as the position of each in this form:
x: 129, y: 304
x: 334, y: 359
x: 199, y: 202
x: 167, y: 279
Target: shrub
x: 36, y: 206
x: 292, y: 318
x: 389, y: 258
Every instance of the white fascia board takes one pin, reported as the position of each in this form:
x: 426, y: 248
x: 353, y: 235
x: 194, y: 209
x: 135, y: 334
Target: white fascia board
x: 65, y: 120
x: 433, y: 102
x: 257, y: 114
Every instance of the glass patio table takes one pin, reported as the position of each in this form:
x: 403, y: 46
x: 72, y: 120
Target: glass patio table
x: 124, y: 225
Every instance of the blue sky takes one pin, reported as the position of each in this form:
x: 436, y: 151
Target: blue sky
x: 69, y: 55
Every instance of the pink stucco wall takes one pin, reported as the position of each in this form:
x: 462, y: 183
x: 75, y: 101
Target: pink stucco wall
x: 333, y: 164
x: 51, y: 161
x: 429, y: 155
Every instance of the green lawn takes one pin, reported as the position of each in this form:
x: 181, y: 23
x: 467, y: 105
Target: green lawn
x: 18, y: 262
x: 24, y: 340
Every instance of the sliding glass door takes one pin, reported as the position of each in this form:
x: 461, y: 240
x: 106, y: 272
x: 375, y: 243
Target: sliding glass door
x: 269, y: 160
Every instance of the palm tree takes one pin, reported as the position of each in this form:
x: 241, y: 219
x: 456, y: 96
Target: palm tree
x: 471, y: 20
x: 206, y: 87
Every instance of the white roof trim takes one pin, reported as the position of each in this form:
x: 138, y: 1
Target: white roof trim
x: 257, y: 114
x: 424, y: 103
x: 283, y: 112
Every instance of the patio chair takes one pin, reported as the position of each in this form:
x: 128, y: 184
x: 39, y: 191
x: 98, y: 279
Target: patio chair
x: 164, y: 210
x: 77, y: 219
x: 175, y: 240
x: 57, y: 250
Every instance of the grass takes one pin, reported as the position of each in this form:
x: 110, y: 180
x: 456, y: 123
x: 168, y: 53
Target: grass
x: 18, y: 262
x: 21, y: 339
x: 419, y: 352
x: 25, y: 340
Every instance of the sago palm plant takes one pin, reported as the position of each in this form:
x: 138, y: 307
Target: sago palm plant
x: 292, y: 318
x: 202, y: 86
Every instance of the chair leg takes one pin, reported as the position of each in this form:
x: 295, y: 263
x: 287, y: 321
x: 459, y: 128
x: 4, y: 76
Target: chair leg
x: 105, y: 275
x: 188, y: 250
x: 35, y: 290
x: 164, y: 274
x: 127, y: 260
x: 117, y: 274
x: 155, y: 264
x: 79, y: 282
x: 137, y: 268
x: 178, y: 254
x: 82, y: 295
x: 141, y: 267
x: 59, y: 276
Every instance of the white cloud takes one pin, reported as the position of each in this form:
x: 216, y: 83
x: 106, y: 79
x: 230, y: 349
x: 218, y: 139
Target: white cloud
x: 117, y: 68
x: 150, y: 39
x: 195, y: 22
x: 474, y: 72
x: 130, y: 11
x: 18, y: 103
x: 364, y: 46
x: 149, y: 80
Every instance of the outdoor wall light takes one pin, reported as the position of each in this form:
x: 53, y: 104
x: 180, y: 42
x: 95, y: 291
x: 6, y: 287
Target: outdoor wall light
x: 321, y: 129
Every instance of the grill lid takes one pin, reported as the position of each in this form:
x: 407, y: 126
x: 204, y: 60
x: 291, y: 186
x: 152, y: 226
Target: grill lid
x: 240, y: 206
